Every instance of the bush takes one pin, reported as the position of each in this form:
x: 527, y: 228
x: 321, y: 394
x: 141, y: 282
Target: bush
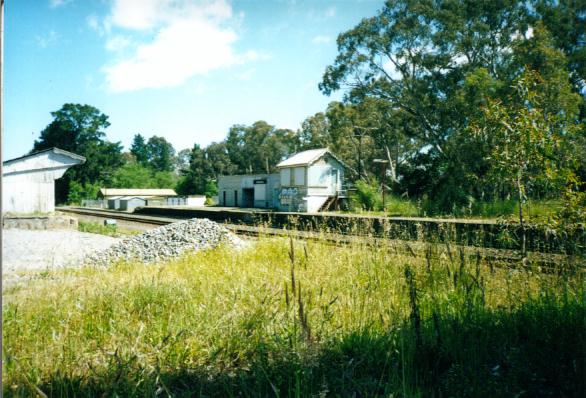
x: 366, y: 196
x: 79, y: 192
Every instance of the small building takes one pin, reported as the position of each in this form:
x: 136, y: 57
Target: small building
x: 311, y: 181
x: 28, y: 182
x: 113, y: 196
x: 249, y: 190
x: 308, y: 181
x: 190, y: 200
x: 129, y: 203
x: 113, y: 202
x: 108, y: 193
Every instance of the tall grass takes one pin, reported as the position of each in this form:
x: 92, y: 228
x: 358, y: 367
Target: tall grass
x: 290, y: 318
x: 101, y: 229
x: 369, y: 200
x: 534, y: 210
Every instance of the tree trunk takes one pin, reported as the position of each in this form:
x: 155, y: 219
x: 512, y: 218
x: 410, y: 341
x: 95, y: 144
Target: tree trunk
x: 392, y: 165
x: 521, y: 223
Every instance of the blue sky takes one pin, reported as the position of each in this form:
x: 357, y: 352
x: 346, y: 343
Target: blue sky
x: 183, y: 69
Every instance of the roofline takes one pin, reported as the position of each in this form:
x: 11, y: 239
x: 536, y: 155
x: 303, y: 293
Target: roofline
x: 104, y: 191
x: 312, y: 161
x: 53, y: 149
x: 247, y: 175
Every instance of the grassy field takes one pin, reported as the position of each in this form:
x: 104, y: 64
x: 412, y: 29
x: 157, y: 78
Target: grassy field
x: 101, y: 229
x: 297, y: 319
x: 534, y: 210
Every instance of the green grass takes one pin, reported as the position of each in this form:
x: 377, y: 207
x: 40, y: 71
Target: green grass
x: 101, y: 229
x: 534, y: 210
x: 318, y: 320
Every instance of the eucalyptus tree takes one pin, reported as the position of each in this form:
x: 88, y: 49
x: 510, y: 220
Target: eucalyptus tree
x: 435, y: 64
x: 80, y: 129
x: 259, y: 147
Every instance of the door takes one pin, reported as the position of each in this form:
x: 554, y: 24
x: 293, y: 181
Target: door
x: 334, y: 181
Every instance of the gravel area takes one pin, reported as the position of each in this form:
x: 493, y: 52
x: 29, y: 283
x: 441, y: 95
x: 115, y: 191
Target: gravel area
x: 38, y: 250
x: 24, y: 250
x: 167, y: 242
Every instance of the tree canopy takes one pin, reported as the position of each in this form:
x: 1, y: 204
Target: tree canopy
x: 420, y: 72
x: 80, y: 129
x: 420, y: 79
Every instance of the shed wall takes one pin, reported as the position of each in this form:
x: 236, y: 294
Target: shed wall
x: 23, y: 195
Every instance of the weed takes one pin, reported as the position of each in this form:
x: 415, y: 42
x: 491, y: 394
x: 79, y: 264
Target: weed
x: 289, y: 319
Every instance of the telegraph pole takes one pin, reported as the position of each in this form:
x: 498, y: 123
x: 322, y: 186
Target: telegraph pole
x: 383, y: 168
x: 358, y: 134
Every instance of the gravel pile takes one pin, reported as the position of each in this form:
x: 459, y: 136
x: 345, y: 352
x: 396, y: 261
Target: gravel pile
x: 167, y: 242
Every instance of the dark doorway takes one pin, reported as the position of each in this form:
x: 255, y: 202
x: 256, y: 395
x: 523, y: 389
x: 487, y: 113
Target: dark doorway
x: 235, y: 198
x: 248, y: 197
x: 223, y: 198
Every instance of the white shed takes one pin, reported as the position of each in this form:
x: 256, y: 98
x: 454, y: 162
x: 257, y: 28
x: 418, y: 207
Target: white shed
x: 129, y: 203
x: 311, y: 181
x: 28, y: 182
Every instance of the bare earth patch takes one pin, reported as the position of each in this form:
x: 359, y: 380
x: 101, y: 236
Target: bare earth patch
x: 34, y: 250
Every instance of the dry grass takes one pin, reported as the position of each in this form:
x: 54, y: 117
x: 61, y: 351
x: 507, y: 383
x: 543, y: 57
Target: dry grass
x: 313, y: 320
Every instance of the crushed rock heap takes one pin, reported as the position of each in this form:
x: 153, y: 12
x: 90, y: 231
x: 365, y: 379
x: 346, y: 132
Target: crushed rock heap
x: 167, y: 242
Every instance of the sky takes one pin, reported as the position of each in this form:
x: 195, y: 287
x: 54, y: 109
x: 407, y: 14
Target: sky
x: 186, y: 70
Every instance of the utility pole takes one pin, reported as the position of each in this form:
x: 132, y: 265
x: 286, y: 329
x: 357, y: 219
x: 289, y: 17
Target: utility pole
x: 359, y: 132
x: 383, y: 168
x: 1, y: 108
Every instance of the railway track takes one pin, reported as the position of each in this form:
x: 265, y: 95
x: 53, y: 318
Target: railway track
x: 411, y: 248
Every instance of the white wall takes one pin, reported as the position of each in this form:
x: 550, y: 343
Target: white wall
x: 28, y: 184
x: 196, y: 201
x: 20, y: 194
x: 314, y: 203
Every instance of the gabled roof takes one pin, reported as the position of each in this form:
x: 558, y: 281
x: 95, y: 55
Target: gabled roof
x: 307, y: 158
x: 135, y: 197
x: 137, y: 192
x: 55, y: 150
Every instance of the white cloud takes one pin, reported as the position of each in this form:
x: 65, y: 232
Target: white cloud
x: 330, y: 12
x: 93, y: 22
x: 146, y: 14
x: 186, y: 39
x: 118, y: 43
x: 321, y: 39
x: 392, y: 70
x: 246, y: 75
x: 318, y: 15
x: 58, y: 3
x: 49, y: 39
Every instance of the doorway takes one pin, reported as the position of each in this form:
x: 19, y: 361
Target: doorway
x: 248, y: 197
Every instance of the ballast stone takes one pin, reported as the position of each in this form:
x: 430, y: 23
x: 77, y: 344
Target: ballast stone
x: 166, y: 242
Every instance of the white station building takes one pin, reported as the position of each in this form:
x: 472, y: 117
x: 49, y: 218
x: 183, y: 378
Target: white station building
x: 308, y: 181
x: 28, y: 182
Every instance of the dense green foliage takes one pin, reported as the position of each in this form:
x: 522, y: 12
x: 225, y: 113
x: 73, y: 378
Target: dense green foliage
x: 135, y: 175
x: 436, y: 88
x: 79, y: 129
x: 420, y: 73
x: 318, y: 320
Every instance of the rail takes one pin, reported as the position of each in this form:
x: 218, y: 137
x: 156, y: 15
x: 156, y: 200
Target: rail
x: 396, y: 245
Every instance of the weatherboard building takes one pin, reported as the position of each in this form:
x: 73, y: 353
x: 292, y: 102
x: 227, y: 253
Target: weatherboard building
x: 308, y: 181
x: 28, y: 182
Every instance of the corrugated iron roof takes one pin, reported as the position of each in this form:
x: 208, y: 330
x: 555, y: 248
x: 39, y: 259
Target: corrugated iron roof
x: 137, y: 192
x: 54, y: 150
x: 303, y: 158
x: 307, y: 158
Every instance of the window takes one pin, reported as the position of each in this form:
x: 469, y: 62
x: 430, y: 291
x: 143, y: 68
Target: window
x: 285, y: 177
x: 299, y: 176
